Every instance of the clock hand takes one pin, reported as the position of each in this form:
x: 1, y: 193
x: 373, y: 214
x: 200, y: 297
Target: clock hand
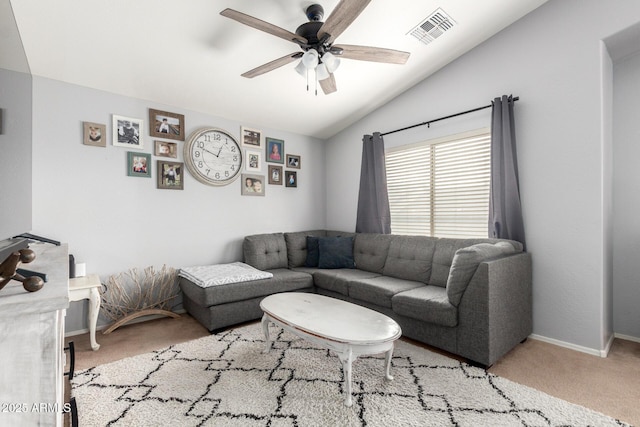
x: 211, y: 152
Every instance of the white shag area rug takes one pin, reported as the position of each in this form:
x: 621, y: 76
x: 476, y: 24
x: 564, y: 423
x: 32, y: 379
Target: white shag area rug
x: 226, y: 380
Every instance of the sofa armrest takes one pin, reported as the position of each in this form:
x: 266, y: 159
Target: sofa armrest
x: 495, y: 313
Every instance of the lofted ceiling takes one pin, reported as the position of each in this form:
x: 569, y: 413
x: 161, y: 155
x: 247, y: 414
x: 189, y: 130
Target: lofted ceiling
x: 186, y: 55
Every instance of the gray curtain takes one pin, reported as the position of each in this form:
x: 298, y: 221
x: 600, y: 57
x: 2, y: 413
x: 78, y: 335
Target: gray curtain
x: 373, y: 200
x: 505, y: 212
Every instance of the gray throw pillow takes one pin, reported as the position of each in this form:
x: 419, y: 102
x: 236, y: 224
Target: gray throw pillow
x: 335, y: 252
x: 465, y: 263
x: 313, y: 252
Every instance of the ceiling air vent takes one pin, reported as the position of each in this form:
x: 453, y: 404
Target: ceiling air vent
x: 433, y: 27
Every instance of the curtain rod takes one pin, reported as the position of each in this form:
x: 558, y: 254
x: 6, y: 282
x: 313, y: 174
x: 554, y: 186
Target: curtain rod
x: 515, y: 98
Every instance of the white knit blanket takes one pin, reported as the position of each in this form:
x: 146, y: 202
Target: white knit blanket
x: 222, y: 274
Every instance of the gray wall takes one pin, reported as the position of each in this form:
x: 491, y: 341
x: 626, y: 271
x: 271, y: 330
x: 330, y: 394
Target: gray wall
x: 15, y: 143
x: 559, y: 67
x: 83, y: 196
x: 626, y: 278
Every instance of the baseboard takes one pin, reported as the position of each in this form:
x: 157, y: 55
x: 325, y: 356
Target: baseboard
x: 627, y: 337
x: 138, y: 320
x: 587, y: 350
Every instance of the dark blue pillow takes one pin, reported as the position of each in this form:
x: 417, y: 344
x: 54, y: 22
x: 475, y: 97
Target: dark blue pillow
x: 312, y: 252
x: 335, y: 252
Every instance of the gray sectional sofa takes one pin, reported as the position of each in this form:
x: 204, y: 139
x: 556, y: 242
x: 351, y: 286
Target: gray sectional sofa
x: 469, y: 297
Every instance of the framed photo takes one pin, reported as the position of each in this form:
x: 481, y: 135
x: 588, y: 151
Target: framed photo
x: 163, y: 124
x: 275, y: 175
x: 293, y: 161
x: 251, y: 137
x: 275, y: 150
x: 291, y: 179
x: 170, y: 175
x: 165, y: 149
x: 126, y: 132
x: 138, y: 164
x: 95, y: 134
x: 252, y: 185
x: 253, y: 160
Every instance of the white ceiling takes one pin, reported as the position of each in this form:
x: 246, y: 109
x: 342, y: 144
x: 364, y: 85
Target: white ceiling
x: 185, y: 54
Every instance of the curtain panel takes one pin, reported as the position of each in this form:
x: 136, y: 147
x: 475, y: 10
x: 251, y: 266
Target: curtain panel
x: 373, y: 200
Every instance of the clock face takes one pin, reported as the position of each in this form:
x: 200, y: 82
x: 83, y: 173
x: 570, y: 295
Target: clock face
x: 213, y: 156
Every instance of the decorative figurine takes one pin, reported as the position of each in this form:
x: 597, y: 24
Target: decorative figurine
x: 9, y: 266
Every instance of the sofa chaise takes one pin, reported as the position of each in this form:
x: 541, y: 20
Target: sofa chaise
x: 469, y: 297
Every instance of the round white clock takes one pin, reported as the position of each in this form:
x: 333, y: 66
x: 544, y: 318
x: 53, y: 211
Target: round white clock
x: 213, y: 156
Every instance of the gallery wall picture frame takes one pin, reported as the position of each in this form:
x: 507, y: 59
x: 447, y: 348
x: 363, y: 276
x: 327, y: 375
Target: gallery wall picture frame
x: 252, y: 161
x: 274, y: 150
x: 252, y: 185
x: 163, y: 124
x: 94, y: 134
x: 170, y: 175
x: 275, y: 175
x: 138, y: 164
x: 127, y: 132
x: 251, y: 137
x: 293, y: 161
x: 291, y: 178
x: 165, y: 149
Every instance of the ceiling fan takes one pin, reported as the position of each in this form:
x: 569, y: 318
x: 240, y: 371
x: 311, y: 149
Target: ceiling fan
x: 316, y: 39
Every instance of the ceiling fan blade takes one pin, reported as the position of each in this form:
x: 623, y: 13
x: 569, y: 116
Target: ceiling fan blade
x: 270, y: 66
x: 328, y: 85
x: 262, y: 25
x: 342, y: 16
x: 374, y: 54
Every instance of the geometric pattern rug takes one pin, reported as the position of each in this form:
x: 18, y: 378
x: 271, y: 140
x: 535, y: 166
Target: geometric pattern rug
x: 225, y: 380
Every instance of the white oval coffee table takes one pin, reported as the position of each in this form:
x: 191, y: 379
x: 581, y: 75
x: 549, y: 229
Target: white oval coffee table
x: 348, y: 329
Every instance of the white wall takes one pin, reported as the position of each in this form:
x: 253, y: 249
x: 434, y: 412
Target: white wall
x: 553, y: 62
x: 626, y: 109
x: 112, y: 222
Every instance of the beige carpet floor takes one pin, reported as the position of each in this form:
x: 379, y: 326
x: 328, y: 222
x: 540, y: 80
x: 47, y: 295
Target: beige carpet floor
x: 608, y: 385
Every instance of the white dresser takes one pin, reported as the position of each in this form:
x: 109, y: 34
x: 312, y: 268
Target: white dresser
x: 32, y: 341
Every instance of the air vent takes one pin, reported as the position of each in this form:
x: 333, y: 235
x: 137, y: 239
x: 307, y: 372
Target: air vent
x: 433, y: 27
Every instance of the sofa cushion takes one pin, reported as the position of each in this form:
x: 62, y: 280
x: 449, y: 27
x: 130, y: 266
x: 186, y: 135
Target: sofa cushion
x: 410, y: 258
x: 265, y: 251
x: 297, y: 246
x: 379, y: 290
x: 370, y: 251
x: 335, y: 252
x: 465, y: 263
x: 426, y: 303
x: 338, y: 280
x: 283, y: 280
x: 313, y: 252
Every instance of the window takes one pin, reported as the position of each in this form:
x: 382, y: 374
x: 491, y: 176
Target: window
x: 440, y: 188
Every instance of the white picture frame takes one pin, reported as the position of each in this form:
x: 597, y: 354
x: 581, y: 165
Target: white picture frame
x: 127, y: 132
x: 251, y: 138
x: 252, y: 161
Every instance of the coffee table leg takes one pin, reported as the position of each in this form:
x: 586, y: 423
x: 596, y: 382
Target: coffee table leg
x: 387, y: 363
x: 265, y: 329
x: 346, y: 358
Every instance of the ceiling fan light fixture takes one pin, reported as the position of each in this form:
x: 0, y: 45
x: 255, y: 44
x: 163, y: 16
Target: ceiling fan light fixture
x: 301, y: 69
x: 310, y: 59
x: 322, y: 72
x: 331, y: 61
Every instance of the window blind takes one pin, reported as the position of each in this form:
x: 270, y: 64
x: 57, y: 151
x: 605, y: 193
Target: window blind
x: 440, y: 188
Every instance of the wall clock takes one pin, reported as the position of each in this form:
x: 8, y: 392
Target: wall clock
x: 213, y: 156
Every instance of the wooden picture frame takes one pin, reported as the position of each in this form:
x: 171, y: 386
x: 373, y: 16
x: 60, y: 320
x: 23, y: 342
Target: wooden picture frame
x: 291, y: 178
x: 170, y: 175
x: 274, y: 150
x: 126, y: 132
x: 163, y: 124
x: 293, y: 161
x: 94, y: 134
x: 251, y: 137
x: 252, y: 161
x: 252, y: 185
x: 275, y: 175
x: 138, y: 164
x: 165, y: 149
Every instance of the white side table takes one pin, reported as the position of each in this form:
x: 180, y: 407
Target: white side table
x: 87, y: 288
